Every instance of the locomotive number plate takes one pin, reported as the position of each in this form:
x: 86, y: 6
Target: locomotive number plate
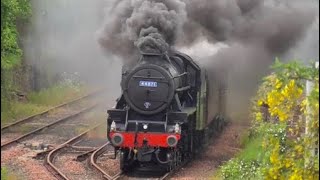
x: 148, y: 84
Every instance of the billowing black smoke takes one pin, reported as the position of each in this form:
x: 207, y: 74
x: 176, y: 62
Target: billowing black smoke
x: 154, y: 25
x: 253, y: 32
x: 149, y: 25
x: 276, y: 25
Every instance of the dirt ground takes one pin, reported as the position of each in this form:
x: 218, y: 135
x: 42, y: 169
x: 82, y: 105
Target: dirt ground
x: 219, y: 151
x: 18, y: 160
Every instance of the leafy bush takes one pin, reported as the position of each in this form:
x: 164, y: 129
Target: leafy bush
x: 286, y: 151
x: 11, y: 12
x: 289, y: 147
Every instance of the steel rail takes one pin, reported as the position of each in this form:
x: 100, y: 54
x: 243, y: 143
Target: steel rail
x: 93, y: 161
x: 171, y: 173
x: 52, y: 154
x: 164, y: 177
x: 118, y: 175
x: 84, y: 156
x: 95, y: 92
x: 7, y: 144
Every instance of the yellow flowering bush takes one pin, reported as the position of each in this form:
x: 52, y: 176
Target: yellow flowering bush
x: 285, y: 150
x: 282, y: 102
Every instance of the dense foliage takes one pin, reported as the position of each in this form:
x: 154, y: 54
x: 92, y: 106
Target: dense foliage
x: 11, y: 12
x: 288, y: 121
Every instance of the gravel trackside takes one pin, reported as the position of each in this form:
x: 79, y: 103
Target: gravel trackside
x: 221, y: 150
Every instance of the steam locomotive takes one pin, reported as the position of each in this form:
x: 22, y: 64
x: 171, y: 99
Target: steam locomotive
x: 161, y: 118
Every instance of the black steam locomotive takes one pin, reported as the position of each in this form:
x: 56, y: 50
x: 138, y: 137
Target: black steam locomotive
x: 161, y: 118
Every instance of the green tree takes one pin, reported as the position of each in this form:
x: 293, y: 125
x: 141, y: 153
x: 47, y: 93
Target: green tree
x: 11, y: 11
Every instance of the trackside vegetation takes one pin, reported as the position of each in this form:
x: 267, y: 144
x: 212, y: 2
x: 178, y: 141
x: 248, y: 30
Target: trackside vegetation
x: 36, y: 102
x: 17, y: 100
x: 282, y: 142
x: 4, y: 174
x: 12, y: 12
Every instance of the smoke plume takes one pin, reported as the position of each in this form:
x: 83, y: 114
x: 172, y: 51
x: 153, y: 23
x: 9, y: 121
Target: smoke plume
x: 239, y: 37
x: 151, y: 26
x: 253, y: 33
x: 154, y: 25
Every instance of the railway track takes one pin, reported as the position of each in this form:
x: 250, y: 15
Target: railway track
x: 27, y: 119
x: 49, y: 161
x: 171, y: 173
x: 93, y: 161
x: 96, y: 153
x: 61, y: 173
x: 121, y: 175
x: 21, y: 137
x: 43, y: 120
x: 61, y: 132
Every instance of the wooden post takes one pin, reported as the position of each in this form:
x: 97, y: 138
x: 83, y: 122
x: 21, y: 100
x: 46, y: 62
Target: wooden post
x: 317, y: 66
x: 309, y: 87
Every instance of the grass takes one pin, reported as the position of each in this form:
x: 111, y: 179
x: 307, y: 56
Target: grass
x: 38, y: 102
x: 250, y: 152
x: 4, y: 174
x: 19, y: 110
x: 7, y: 175
x: 252, y: 149
x: 55, y: 95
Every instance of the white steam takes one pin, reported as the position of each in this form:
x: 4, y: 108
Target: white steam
x: 62, y: 38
